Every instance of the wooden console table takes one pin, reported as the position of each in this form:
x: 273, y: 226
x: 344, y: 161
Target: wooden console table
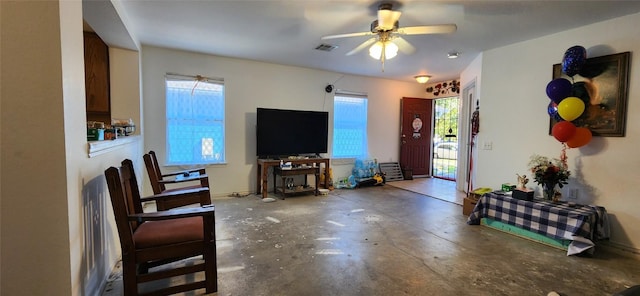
x: 262, y: 173
x: 295, y: 172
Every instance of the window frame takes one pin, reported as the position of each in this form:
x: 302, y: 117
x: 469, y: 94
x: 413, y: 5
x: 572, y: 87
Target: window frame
x: 212, y: 118
x: 364, y: 141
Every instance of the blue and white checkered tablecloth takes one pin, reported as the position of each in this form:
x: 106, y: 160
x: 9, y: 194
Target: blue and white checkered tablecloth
x: 582, y: 224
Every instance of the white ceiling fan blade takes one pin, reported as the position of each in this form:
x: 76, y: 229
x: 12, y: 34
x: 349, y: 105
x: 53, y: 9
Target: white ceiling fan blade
x: 404, y: 46
x: 362, y: 46
x: 436, y: 29
x: 387, y: 19
x: 346, y: 35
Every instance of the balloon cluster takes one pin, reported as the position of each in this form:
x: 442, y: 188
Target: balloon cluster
x: 564, y: 107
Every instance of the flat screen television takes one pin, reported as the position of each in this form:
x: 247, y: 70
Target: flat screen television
x: 282, y: 132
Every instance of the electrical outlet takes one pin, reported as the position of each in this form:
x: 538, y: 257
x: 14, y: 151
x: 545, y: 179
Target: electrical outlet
x: 487, y: 145
x: 573, y: 193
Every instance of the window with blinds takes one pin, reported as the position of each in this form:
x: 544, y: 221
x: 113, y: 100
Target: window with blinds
x: 195, y: 120
x: 349, y: 126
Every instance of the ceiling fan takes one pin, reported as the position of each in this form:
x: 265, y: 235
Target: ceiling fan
x: 387, y: 40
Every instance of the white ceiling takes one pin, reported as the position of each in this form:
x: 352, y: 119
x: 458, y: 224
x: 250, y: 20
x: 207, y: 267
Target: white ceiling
x: 287, y: 31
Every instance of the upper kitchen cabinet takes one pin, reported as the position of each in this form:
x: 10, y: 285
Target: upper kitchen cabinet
x: 96, y: 74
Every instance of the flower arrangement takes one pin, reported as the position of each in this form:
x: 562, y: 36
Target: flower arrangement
x: 549, y: 173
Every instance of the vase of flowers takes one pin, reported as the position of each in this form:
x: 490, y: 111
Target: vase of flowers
x: 549, y: 173
x: 549, y: 190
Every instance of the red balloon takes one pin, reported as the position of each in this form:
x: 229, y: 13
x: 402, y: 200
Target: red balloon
x: 581, y: 137
x: 563, y: 131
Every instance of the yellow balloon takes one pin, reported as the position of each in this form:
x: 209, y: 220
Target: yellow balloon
x: 570, y: 108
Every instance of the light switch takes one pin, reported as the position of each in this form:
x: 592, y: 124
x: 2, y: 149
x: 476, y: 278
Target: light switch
x: 573, y: 193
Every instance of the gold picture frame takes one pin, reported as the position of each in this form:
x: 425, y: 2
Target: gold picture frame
x: 603, y: 84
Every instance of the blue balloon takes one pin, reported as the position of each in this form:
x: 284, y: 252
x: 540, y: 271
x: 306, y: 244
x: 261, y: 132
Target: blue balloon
x: 552, y: 109
x: 558, y: 89
x: 573, y: 60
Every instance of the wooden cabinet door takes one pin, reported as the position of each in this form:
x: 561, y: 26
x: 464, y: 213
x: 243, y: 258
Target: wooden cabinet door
x: 96, y: 74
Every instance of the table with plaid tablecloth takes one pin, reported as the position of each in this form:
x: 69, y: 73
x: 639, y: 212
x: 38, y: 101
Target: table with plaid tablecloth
x: 582, y: 224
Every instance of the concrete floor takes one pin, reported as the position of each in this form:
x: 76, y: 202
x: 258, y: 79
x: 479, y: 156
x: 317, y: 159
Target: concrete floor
x: 434, y: 187
x: 387, y: 241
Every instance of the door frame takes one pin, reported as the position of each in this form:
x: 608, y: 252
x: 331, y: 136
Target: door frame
x: 469, y: 97
x: 405, y: 135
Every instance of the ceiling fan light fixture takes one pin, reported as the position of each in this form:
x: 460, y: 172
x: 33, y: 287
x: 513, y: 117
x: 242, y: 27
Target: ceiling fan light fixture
x: 422, y: 78
x: 390, y: 50
x: 453, y: 55
x: 375, y: 51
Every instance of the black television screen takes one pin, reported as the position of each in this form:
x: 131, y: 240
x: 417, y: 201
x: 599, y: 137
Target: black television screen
x: 282, y: 132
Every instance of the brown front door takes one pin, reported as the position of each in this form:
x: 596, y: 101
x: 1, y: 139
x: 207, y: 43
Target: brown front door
x: 415, y: 135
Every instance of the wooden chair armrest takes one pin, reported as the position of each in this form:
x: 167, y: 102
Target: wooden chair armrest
x: 186, y: 179
x: 208, y: 210
x: 196, y: 170
x: 176, y: 193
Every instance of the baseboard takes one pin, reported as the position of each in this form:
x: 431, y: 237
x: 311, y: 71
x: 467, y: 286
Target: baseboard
x: 112, y: 285
x: 619, y: 249
x: 233, y: 195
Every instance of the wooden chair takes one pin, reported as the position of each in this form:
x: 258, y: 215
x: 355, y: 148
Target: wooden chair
x: 160, y: 180
x: 154, y: 239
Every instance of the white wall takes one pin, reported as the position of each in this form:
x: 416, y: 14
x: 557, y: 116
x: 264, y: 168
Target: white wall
x: 514, y: 118
x: 250, y: 84
x: 35, y: 226
x: 56, y: 221
x: 95, y: 244
x: 125, y: 85
x: 94, y: 237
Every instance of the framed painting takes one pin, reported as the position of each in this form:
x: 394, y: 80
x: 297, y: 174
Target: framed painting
x: 603, y: 85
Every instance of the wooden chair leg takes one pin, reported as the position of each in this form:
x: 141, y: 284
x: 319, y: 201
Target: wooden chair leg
x: 129, y: 276
x: 211, y: 263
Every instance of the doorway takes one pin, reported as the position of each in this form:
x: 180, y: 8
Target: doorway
x: 416, y: 134
x: 445, y: 138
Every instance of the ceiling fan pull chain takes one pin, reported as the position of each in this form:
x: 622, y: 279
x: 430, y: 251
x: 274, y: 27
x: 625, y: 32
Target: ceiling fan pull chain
x: 382, y: 56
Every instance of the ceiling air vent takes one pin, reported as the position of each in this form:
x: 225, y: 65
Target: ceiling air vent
x: 326, y: 47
